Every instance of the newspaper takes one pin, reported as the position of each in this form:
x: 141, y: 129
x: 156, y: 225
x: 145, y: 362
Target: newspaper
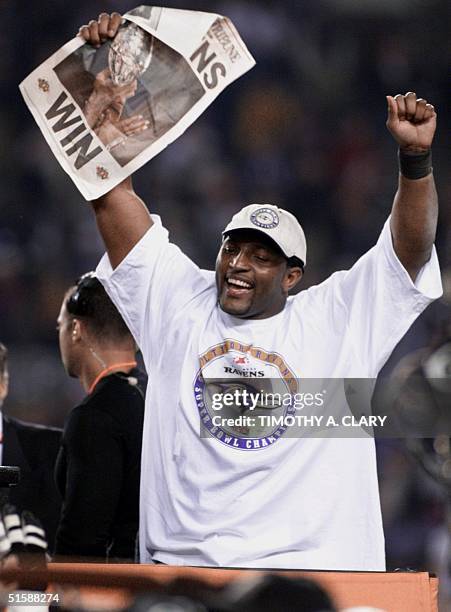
x: 105, y: 112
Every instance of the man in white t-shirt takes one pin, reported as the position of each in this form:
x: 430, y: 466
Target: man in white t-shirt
x: 240, y: 495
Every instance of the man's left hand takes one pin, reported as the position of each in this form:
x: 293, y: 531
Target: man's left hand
x: 411, y: 121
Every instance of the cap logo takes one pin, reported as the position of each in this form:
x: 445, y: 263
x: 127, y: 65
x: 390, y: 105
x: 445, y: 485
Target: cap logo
x: 265, y: 218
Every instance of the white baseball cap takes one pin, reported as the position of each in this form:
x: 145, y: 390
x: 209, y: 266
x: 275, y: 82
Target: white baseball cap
x: 275, y: 222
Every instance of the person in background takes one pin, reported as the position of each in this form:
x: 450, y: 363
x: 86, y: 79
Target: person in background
x: 98, y: 466
x: 32, y: 448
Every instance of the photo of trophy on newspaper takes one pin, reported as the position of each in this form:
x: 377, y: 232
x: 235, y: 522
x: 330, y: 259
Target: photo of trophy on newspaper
x: 129, y: 91
x: 107, y: 109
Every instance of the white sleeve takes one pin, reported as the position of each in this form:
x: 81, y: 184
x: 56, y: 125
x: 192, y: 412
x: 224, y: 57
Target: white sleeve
x: 381, y: 300
x: 151, y: 285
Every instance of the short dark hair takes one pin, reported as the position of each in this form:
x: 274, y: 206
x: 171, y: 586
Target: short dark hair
x: 3, y: 360
x: 89, y: 301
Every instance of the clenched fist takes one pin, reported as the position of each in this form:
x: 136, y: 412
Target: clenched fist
x: 411, y: 121
x: 97, y: 32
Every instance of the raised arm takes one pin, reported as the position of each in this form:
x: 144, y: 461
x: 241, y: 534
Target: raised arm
x: 122, y: 219
x: 121, y: 215
x: 412, y: 122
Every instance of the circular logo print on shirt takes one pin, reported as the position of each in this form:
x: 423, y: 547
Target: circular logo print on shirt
x: 244, y: 395
x: 265, y: 218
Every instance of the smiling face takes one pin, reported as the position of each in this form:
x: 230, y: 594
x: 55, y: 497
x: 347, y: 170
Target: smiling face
x: 252, y: 275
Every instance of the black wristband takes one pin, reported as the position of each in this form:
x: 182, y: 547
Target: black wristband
x: 415, y: 166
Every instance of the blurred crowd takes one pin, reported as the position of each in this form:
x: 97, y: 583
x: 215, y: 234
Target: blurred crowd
x: 305, y: 129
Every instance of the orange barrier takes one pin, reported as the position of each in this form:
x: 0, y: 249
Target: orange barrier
x: 391, y: 592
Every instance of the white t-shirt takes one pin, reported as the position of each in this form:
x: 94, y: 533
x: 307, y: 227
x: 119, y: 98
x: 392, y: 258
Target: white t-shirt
x: 281, y: 502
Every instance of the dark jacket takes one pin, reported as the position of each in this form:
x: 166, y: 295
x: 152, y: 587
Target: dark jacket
x: 98, y: 471
x: 34, y: 448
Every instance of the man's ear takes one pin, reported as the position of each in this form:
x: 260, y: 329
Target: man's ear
x: 77, y: 330
x: 292, y: 277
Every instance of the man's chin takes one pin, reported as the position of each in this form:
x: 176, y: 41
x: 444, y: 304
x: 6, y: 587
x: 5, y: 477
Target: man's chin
x: 235, y: 309
x: 70, y: 372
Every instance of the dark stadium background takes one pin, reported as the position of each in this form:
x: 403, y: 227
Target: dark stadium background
x: 304, y: 129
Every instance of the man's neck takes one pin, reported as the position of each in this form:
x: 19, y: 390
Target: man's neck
x: 99, y: 364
